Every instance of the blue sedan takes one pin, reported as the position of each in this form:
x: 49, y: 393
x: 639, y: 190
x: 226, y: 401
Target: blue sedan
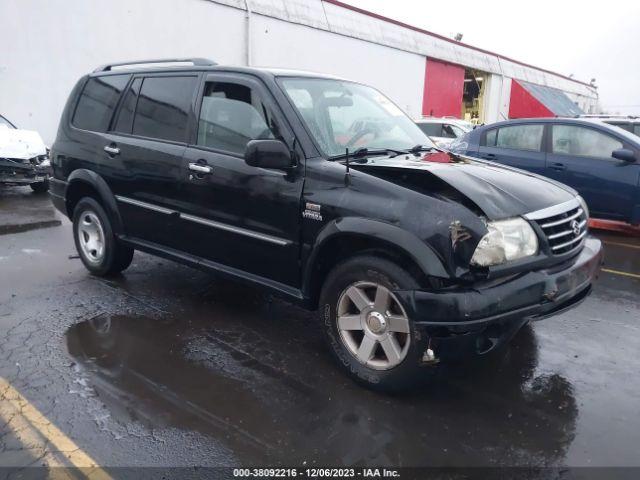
x: 600, y: 161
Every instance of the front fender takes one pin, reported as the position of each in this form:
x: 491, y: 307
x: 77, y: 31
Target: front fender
x: 82, y: 177
x: 423, y: 255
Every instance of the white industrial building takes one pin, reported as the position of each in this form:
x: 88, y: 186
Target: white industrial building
x: 49, y: 44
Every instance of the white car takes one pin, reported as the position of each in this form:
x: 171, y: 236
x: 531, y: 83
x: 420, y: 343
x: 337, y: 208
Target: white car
x: 443, y: 131
x: 24, y: 158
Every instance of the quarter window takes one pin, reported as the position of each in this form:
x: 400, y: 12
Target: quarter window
x: 519, y: 137
x: 583, y: 142
x: 98, y: 102
x: 491, y: 138
x: 231, y: 115
x: 163, y: 107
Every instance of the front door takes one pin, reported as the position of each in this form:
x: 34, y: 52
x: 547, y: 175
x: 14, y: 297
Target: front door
x: 580, y: 156
x: 242, y: 217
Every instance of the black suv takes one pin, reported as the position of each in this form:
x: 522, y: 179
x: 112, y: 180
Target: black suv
x: 323, y: 191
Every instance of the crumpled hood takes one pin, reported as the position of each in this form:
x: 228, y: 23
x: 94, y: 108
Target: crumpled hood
x: 499, y: 191
x: 20, y: 144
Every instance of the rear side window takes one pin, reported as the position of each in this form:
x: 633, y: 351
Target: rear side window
x: 583, y: 142
x: 431, y: 129
x: 127, y: 109
x: 163, y: 107
x: 98, y: 102
x: 518, y: 137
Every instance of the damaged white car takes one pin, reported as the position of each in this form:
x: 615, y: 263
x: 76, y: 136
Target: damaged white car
x: 24, y: 158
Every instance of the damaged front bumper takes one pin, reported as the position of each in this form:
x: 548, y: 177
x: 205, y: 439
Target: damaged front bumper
x: 14, y: 173
x: 476, y: 320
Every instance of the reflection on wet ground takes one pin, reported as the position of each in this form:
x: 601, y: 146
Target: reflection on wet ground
x: 265, y: 394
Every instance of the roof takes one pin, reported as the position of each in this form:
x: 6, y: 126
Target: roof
x: 155, y: 66
x: 555, y: 100
x: 629, y: 137
x: 454, y: 121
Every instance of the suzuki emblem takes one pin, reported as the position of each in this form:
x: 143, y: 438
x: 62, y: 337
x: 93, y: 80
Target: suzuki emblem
x: 575, y: 226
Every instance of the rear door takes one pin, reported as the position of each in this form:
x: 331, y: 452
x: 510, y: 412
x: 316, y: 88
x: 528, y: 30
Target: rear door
x: 580, y: 156
x: 240, y: 216
x: 144, y: 150
x: 518, y: 145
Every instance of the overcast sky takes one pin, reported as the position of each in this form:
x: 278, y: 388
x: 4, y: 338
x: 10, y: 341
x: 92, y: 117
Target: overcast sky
x: 589, y: 39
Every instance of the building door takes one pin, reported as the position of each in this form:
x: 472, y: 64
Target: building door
x: 443, y: 87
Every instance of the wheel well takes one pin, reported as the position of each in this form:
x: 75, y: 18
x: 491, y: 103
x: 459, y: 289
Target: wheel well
x: 343, y: 247
x: 76, y: 191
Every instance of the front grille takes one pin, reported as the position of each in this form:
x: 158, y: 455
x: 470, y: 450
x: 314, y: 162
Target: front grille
x: 564, y: 231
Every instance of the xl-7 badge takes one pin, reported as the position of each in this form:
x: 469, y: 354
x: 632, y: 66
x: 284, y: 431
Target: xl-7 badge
x: 312, y: 212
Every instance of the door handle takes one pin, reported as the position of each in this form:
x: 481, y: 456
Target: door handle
x: 199, y: 168
x: 489, y: 156
x: 112, y: 150
x: 558, y: 167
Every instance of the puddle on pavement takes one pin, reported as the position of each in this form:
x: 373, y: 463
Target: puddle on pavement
x: 271, y: 396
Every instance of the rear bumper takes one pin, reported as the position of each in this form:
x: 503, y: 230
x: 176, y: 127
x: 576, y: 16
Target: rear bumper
x: 471, y: 320
x: 57, y: 193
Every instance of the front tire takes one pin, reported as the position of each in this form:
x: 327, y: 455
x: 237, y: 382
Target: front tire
x: 99, y: 249
x: 367, y: 326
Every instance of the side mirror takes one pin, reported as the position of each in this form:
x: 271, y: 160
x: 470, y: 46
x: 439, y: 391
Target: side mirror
x: 268, y: 154
x: 624, y: 154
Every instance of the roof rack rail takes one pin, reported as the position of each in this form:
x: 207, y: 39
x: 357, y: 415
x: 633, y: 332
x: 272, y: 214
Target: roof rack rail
x: 198, y: 62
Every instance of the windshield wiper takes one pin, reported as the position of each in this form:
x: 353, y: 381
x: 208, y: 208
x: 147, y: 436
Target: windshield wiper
x: 365, y: 152
x: 422, y: 148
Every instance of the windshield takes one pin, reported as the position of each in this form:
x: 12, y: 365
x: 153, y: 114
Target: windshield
x: 343, y: 115
x: 6, y: 123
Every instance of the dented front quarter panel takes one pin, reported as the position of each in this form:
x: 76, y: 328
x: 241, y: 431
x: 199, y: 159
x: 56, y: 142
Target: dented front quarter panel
x: 439, y: 232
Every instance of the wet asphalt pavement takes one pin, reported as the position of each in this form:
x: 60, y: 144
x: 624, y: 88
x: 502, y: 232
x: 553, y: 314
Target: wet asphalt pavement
x: 167, y: 366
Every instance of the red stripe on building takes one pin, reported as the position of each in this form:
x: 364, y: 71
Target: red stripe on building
x: 443, y: 86
x: 525, y: 105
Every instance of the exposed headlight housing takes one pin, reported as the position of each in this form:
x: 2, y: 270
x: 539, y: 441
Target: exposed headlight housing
x: 506, y: 240
x: 583, y: 204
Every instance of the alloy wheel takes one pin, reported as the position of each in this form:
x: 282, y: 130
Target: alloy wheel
x: 373, y: 325
x: 91, y: 237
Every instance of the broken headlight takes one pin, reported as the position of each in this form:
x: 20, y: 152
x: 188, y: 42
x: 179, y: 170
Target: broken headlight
x: 506, y: 240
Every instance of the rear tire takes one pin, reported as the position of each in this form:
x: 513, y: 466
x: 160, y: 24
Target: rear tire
x: 40, y: 187
x: 99, y: 249
x: 373, y: 338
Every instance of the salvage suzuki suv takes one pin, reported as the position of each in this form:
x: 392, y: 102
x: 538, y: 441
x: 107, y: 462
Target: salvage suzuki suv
x: 322, y: 191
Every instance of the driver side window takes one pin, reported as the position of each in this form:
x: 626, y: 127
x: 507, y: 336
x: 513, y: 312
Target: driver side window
x: 231, y: 115
x: 582, y: 142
